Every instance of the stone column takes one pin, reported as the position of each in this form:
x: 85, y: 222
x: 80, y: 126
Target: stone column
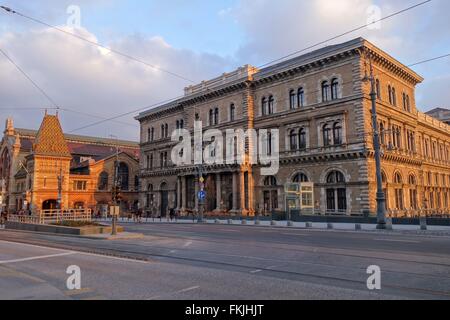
x: 251, y: 194
x: 235, y: 192
x: 218, y: 192
x: 179, y: 205
x: 184, y: 193
x: 242, y: 192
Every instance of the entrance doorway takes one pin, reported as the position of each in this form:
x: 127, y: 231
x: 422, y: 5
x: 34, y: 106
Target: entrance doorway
x: 50, y: 205
x: 164, y: 200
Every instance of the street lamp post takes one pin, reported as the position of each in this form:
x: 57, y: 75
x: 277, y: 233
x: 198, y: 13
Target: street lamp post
x: 380, y: 197
x: 115, y: 190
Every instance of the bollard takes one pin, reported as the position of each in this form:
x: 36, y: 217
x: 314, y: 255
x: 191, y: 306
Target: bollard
x: 309, y: 225
x: 273, y: 223
x: 389, y: 224
x: 330, y: 226
x: 290, y: 224
x: 423, y: 223
x: 358, y: 227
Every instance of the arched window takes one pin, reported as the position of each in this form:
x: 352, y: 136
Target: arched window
x: 211, y: 117
x: 408, y: 104
x: 325, y: 88
x: 378, y: 88
x: 390, y: 94
x: 269, y: 143
x: 413, y: 192
x: 337, y: 133
x: 271, y: 106
x: 300, y: 177
x: 300, y: 98
x: 382, y: 133
x: 270, y: 194
x: 216, y: 116
x: 326, y: 131
x: 334, y: 89
x: 293, y: 140
x: 152, y: 134
x: 178, y: 124
x: 162, y: 132
x: 232, y: 112
x: 103, y: 181
x: 167, y: 130
x: 335, y: 177
x: 292, y: 102
x: 404, y: 101
x: 336, y: 193
x: 264, y: 106
x: 302, y: 139
x: 399, y: 202
x: 394, y: 97
x: 124, y: 176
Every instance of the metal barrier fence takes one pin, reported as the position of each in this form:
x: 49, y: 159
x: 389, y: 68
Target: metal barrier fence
x: 53, y: 216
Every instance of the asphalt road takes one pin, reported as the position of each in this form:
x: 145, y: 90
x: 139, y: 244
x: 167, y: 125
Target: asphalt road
x: 225, y: 262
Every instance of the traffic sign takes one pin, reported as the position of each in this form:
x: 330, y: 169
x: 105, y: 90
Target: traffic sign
x: 202, y: 179
x: 202, y: 195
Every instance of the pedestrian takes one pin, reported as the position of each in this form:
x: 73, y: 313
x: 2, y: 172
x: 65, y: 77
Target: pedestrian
x: 172, y: 214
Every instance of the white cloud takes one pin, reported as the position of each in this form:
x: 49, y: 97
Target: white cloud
x: 84, y: 77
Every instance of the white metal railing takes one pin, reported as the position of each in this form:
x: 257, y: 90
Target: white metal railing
x: 53, y: 216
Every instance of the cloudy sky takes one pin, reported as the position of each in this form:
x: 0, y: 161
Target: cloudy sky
x: 197, y: 39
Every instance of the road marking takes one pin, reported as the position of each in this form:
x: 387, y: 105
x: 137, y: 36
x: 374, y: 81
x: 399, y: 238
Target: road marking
x: 394, y: 240
x: 78, y: 252
x: 228, y: 230
x: 295, y: 234
x: 176, y: 292
x: 71, y: 293
x: 256, y: 271
x: 38, y: 258
x: 187, y: 244
x: 271, y: 267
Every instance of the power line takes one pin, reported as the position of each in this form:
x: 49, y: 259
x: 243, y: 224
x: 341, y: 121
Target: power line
x: 48, y: 97
x: 345, y: 33
x: 174, y: 99
x: 126, y: 114
x: 29, y: 79
x: 429, y: 60
x: 125, y: 55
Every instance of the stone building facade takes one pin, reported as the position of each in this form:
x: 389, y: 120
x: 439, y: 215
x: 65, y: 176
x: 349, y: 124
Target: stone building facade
x: 33, y: 164
x: 321, y: 106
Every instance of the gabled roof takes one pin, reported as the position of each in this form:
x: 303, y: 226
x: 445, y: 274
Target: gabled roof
x: 95, y: 147
x: 50, y: 139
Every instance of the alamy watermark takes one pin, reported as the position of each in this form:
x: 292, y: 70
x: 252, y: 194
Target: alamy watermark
x: 234, y: 146
x: 74, y: 280
x: 74, y: 19
x: 374, y: 280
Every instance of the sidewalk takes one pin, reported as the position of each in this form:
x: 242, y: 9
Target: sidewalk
x: 410, y: 229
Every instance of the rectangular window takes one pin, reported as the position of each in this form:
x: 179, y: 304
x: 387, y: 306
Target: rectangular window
x: 79, y: 185
x: 342, y: 200
x: 331, y: 200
